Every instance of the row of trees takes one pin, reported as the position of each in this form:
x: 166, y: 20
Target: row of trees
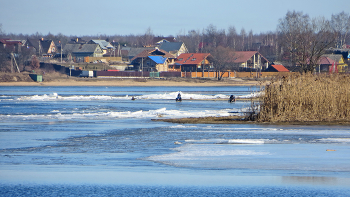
x: 298, y: 40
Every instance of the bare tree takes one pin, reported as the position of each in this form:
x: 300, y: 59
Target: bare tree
x: 35, y: 63
x: 211, y: 35
x: 305, y: 40
x: 1, y: 29
x: 341, y: 24
x: 221, y: 58
x: 232, y: 37
x: 147, y: 38
x: 243, y: 40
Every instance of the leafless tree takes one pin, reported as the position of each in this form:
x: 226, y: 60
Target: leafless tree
x: 222, y: 59
x: 232, y: 37
x: 243, y: 38
x: 211, y: 35
x: 35, y: 63
x: 305, y: 40
x: 341, y: 24
x: 147, y: 38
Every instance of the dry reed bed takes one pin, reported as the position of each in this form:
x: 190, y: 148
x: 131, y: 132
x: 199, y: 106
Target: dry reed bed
x: 306, y: 98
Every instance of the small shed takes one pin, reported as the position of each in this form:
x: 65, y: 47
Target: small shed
x: 36, y: 77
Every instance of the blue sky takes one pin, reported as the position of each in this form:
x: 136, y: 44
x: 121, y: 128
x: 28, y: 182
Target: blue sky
x: 111, y: 17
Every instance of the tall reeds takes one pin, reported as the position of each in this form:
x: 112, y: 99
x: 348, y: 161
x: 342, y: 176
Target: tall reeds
x: 305, y: 98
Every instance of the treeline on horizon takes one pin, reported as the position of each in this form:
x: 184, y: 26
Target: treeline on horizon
x: 274, y: 45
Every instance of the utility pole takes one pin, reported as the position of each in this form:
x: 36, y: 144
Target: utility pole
x: 61, y: 51
x: 142, y: 67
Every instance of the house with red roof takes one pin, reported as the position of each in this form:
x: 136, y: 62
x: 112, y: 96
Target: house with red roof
x: 277, y: 68
x: 11, y: 45
x: 153, y: 60
x: 191, y: 62
x: 324, y: 63
x: 339, y: 60
x: 250, y: 60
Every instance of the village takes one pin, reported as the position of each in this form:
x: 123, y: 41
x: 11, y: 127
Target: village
x: 165, y: 57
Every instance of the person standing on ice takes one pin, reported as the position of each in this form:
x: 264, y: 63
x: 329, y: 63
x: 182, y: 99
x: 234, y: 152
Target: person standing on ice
x: 232, y: 99
x: 178, y: 98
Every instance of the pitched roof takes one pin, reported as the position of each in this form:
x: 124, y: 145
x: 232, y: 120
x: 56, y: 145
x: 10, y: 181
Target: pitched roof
x: 158, y: 39
x: 10, y: 42
x: 158, y: 59
x: 135, y: 51
x: 149, y: 52
x: 280, y: 68
x: 33, y: 43
x: 45, y: 44
x: 243, y: 56
x: 191, y: 58
x: 80, y: 48
x: 103, y: 44
x: 325, y: 60
x: 335, y: 57
x: 171, y: 46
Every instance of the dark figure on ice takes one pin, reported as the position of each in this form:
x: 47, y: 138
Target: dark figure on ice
x: 232, y: 99
x: 178, y: 98
x: 133, y: 98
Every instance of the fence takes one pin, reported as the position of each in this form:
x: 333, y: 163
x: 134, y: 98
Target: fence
x: 107, y: 59
x: 190, y: 74
x: 208, y: 74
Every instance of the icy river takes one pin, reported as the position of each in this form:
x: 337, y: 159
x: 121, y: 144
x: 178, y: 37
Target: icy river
x: 96, y: 141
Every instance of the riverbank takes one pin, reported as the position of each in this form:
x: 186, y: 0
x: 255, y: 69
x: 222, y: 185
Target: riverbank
x: 244, y: 120
x: 15, y: 79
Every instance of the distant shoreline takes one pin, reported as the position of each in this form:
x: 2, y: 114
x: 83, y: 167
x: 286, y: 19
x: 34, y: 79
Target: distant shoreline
x: 181, y: 82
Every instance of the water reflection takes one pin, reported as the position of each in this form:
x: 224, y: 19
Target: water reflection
x: 313, y: 180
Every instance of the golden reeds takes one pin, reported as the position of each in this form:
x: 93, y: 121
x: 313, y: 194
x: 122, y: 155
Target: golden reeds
x: 305, y: 98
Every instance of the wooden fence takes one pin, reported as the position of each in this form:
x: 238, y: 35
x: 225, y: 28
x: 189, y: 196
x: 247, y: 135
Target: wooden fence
x: 215, y: 74
x: 107, y: 59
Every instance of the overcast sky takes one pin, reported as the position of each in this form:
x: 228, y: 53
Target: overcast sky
x: 124, y: 17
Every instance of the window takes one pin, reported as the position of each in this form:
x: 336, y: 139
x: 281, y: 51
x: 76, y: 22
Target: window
x: 193, y: 59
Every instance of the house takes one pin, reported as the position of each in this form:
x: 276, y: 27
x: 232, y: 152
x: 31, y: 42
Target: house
x: 134, y: 51
x: 250, y: 60
x: 153, y: 60
x: 159, y: 40
x: 13, y: 46
x: 276, y: 68
x: 77, y: 40
x: 80, y: 51
x: 105, y: 46
x: 339, y: 60
x: 43, y: 47
x: 191, y: 62
x: 324, y: 63
x: 174, y: 48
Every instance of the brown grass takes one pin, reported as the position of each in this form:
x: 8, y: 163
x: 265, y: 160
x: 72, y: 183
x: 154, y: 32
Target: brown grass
x: 307, y: 98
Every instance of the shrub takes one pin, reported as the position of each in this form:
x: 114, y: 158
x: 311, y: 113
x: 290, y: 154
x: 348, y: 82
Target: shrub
x: 306, y: 97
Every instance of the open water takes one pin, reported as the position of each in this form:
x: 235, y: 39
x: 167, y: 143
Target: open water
x: 96, y: 141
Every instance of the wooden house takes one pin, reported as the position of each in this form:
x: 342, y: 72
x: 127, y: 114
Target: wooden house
x: 12, y: 46
x: 339, y: 60
x: 153, y: 60
x: 80, y: 51
x: 105, y: 46
x: 250, y: 60
x: 174, y: 48
x: 160, y: 40
x: 191, y: 62
x: 43, y: 47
